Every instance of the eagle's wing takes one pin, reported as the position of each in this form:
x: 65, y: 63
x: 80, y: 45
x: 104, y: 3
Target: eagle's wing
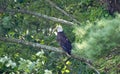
x: 64, y: 42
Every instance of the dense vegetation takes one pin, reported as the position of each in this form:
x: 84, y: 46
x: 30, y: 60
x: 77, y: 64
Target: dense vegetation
x: 90, y: 26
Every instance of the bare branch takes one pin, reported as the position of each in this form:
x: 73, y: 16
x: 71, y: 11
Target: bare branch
x: 40, y: 15
x: 36, y: 45
x: 50, y: 48
x: 61, y: 10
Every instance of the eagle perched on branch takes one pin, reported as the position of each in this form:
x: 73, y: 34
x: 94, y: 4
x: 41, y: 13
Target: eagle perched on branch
x: 63, y: 40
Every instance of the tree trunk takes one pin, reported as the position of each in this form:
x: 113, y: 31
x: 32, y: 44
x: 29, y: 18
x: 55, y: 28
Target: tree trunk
x: 111, y: 5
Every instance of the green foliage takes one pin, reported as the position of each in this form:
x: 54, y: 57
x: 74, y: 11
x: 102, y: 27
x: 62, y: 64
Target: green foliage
x: 22, y: 65
x: 109, y: 65
x: 95, y: 40
x: 85, y: 10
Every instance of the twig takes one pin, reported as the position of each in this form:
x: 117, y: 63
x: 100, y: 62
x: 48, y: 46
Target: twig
x: 61, y: 10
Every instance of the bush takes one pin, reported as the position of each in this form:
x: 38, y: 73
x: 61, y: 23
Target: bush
x: 95, y: 40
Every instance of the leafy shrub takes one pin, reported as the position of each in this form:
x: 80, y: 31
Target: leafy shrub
x: 95, y: 40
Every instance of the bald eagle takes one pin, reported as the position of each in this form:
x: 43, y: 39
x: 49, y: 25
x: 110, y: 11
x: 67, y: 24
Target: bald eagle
x: 63, y: 40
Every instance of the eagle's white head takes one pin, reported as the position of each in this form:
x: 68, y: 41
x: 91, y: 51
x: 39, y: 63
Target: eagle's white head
x: 59, y: 28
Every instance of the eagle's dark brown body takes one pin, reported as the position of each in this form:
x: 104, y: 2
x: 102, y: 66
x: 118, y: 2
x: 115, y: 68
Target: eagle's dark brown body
x: 64, y: 42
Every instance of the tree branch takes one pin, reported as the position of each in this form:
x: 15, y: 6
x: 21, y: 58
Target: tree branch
x: 50, y: 48
x: 61, y: 10
x: 40, y: 15
x: 36, y: 45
